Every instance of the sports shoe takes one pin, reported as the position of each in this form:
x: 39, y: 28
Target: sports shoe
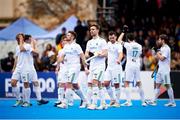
x: 128, y: 104
x: 57, y: 103
x: 111, y: 103
x: 42, y: 101
x: 62, y: 105
x: 83, y: 104
x: 26, y: 104
x: 18, y: 103
x: 170, y: 104
x: 102, y: 107
x: 92, y: 107
x: 70, y: 103
x: 144, y: 104
x: 152, y: 103
x: 115, y: 104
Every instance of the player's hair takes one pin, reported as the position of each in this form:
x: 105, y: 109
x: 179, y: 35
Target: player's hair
x: 17, y: 36
x: 27, y: 36
x: 95, y: 25
x: 73, y: 33
x: 63, y: 37
x: 112, y: 33
x: 164, y: 37
x: 130, y: 36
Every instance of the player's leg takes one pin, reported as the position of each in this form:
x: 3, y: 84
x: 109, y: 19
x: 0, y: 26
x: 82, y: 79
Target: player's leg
x: 102, y: 97
x: 78, y: 91
x: 26, y: 94
x: 89, y: 89
x: 167, y: 82
x: 15, y: 88
x: 61, y: 93
x: 129, y: 76
x: 107, y: 81
x: 36, y: 87
x: 139, y: 84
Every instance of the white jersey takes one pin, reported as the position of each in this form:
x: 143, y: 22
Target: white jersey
x: 96, y: 45
x: 165, y: 64
x: 72, y: 53
x: 24, y: 59
x: 113, y: 53
x: 133, y: 52
x: 61, y: 65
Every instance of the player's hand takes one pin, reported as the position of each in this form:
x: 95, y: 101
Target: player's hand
x: 125, y: 29
x: 87, y: 71
x: 118, y: 61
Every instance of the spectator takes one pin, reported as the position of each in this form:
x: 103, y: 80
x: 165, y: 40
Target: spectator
x: 8, y: 62
x: 48, y: 57
x: 81, y: 34
x: 58, y: 38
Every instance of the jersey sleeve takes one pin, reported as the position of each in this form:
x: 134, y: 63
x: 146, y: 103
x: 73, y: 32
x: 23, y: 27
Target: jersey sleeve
x: 79, y: 49
x: 165, y: 52
x: 119, y: 48
x: 88, y: 46
x: 28, y: 47
x: 126, y: 45
x: 104, y: 44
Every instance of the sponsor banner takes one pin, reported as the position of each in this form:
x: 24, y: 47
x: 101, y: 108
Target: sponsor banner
x: 48, y: 85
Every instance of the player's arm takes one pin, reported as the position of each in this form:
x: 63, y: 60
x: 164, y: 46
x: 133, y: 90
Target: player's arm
x: 21, y: 45
x: 15, y: 62
x: 82, y: 56
x: 60, y: 59
x: 102, y: 53
x: 120, y: 56
x: 160, y: 56
x: 33, y: 45
x: 125, y: 30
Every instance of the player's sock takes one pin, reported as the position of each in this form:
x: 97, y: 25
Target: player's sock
x: 37, y: 92
x: 80, y: 94
x: 171, y: 94
x: 127, y: 92
x: 157, y: 92
x: 117, y: 93
x: 61, y: 94
x: 16, y: 92
x: 68, y: 96
x: 102, y: 95
x: 110, y: 92
x: 27, y: 94
x: 141, y: 93
x: 95, y: 94
x: 89, y: 94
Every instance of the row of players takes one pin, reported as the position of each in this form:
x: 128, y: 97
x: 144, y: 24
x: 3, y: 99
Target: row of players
x: 69, y: 67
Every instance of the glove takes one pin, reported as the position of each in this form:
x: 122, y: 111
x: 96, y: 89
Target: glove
x: 125, y: 29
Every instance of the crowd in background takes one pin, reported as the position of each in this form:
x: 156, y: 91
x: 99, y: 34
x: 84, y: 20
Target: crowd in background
x: 146, y: 26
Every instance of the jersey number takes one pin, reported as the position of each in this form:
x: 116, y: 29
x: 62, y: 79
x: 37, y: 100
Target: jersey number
x: 135, y: 53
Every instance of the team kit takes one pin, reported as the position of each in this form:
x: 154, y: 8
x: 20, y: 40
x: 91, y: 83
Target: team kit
x: 102, y: 77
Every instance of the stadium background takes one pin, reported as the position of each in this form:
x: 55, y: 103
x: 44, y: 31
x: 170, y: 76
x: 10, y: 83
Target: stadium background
x: 145, y: 18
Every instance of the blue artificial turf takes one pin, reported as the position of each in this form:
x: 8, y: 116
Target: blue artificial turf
x: 50, y: 112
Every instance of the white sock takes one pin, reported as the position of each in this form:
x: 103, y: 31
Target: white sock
x: 110, y: 93
x: 27, y: 94
x: 37, y: 92
x: 16, y: 92
x: 68, y: 96
x: 95, y: 94
x: 61, y: 94
x: 117, y: 93
x: 157, y: 92
x: 127, y: 92
x: 141, y: 93
x: 102, y: 95
x: 89, y: 94
x: 80, y: 94
x: 171, y: 94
